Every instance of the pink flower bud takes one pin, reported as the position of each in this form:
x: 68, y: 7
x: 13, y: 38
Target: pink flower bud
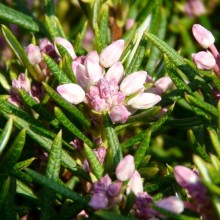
x: 114, y: 188
x: 135, y: 184
x: 184, y: 176
x: 93, y: 55
x: 144, y: 101
x: 119, y: 114
x: 66, y: 44
x: 22, y: 83
x: 194, y: 8
x: 99, y: 104
x: 76, y: 62
x: 99, y: 201
x: 101, y: 152
x: 73, y: 93
x: 203, y: 36
x: 163, y: 84
x: 116, y: 71
x: 81, y: 77
x: 129, y: 23
x: 172, y: 204
x: 33, y: 54
x: 204, y: 60
x: 133, y: 82
x: 14, y: 100
x: 93, y: 70
x: 125, y: 168
x: 112, y: 53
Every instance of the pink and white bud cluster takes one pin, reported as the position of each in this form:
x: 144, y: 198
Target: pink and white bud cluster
x: 106, y: 194
x: 106, y: 88
x: 24, y: 83
x: 208, y: 59
x: 125, y: 171
x: 200, y: 198
x: 143, y: 206
x: 34, y: 54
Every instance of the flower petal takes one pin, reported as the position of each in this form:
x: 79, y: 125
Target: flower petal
x: 112, y: 53
x: 125, y: 168
x: 144, y: 101
x: 133, y: 82
x: 203, y: 36
x: 116, y: 71
x: 73, y: 93
x: 66, y: 44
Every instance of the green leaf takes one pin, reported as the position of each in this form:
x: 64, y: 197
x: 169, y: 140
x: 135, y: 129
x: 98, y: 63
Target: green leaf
x: 4, y: 82
x: 54, y: 161
x: 51, y: 26
x: 161, y: 28
x: 67, y: 106
x: 71, y: 127
x: 68, y: 68
x: 23, y: 164
x: 9, y: 160
x: 172, y: 55
x: 214, y: 139
x: 23, y: 189
x: 104, y: 24
x: 215, y: 80
x: 165, y: 48
x: 59, y: 74
x: 67, y: 60
x: 112, y: 139
x: 49, y: 7
x: 34, y: 124
x: 197, y: 148
x: 56, y: 187
x: 19, y: 52
x: 143, y: 149
x: 137, y: 58
x: 70, y: 209
x: 177, y: 80
x: 95, y: 12
x: 12, y: 156
x: 133, y: 140
x: 43, y: 112
x: 63, y: 51
x: 184, y: 122
x: 16, y: 17
x: 45, y: 143
x: 155, y: 126
x: 19, y: 175
x: 52, y: 172
x: 97, y: 168
x: 5, y: 135
x: 218, y: 118
x: 99, y: 39
x: 204, y: 106
x: 7, y: 210
x: 111, y: 215
x: 80, y: 36
x: 145, y: 115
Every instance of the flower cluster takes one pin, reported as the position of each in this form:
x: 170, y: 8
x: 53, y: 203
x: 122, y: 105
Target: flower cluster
x: 23, y: 82
x: 200, y: 199
x: 104, y: 87
x: 205, y: 59
x: 143, y: 206
x: 106, y: 194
